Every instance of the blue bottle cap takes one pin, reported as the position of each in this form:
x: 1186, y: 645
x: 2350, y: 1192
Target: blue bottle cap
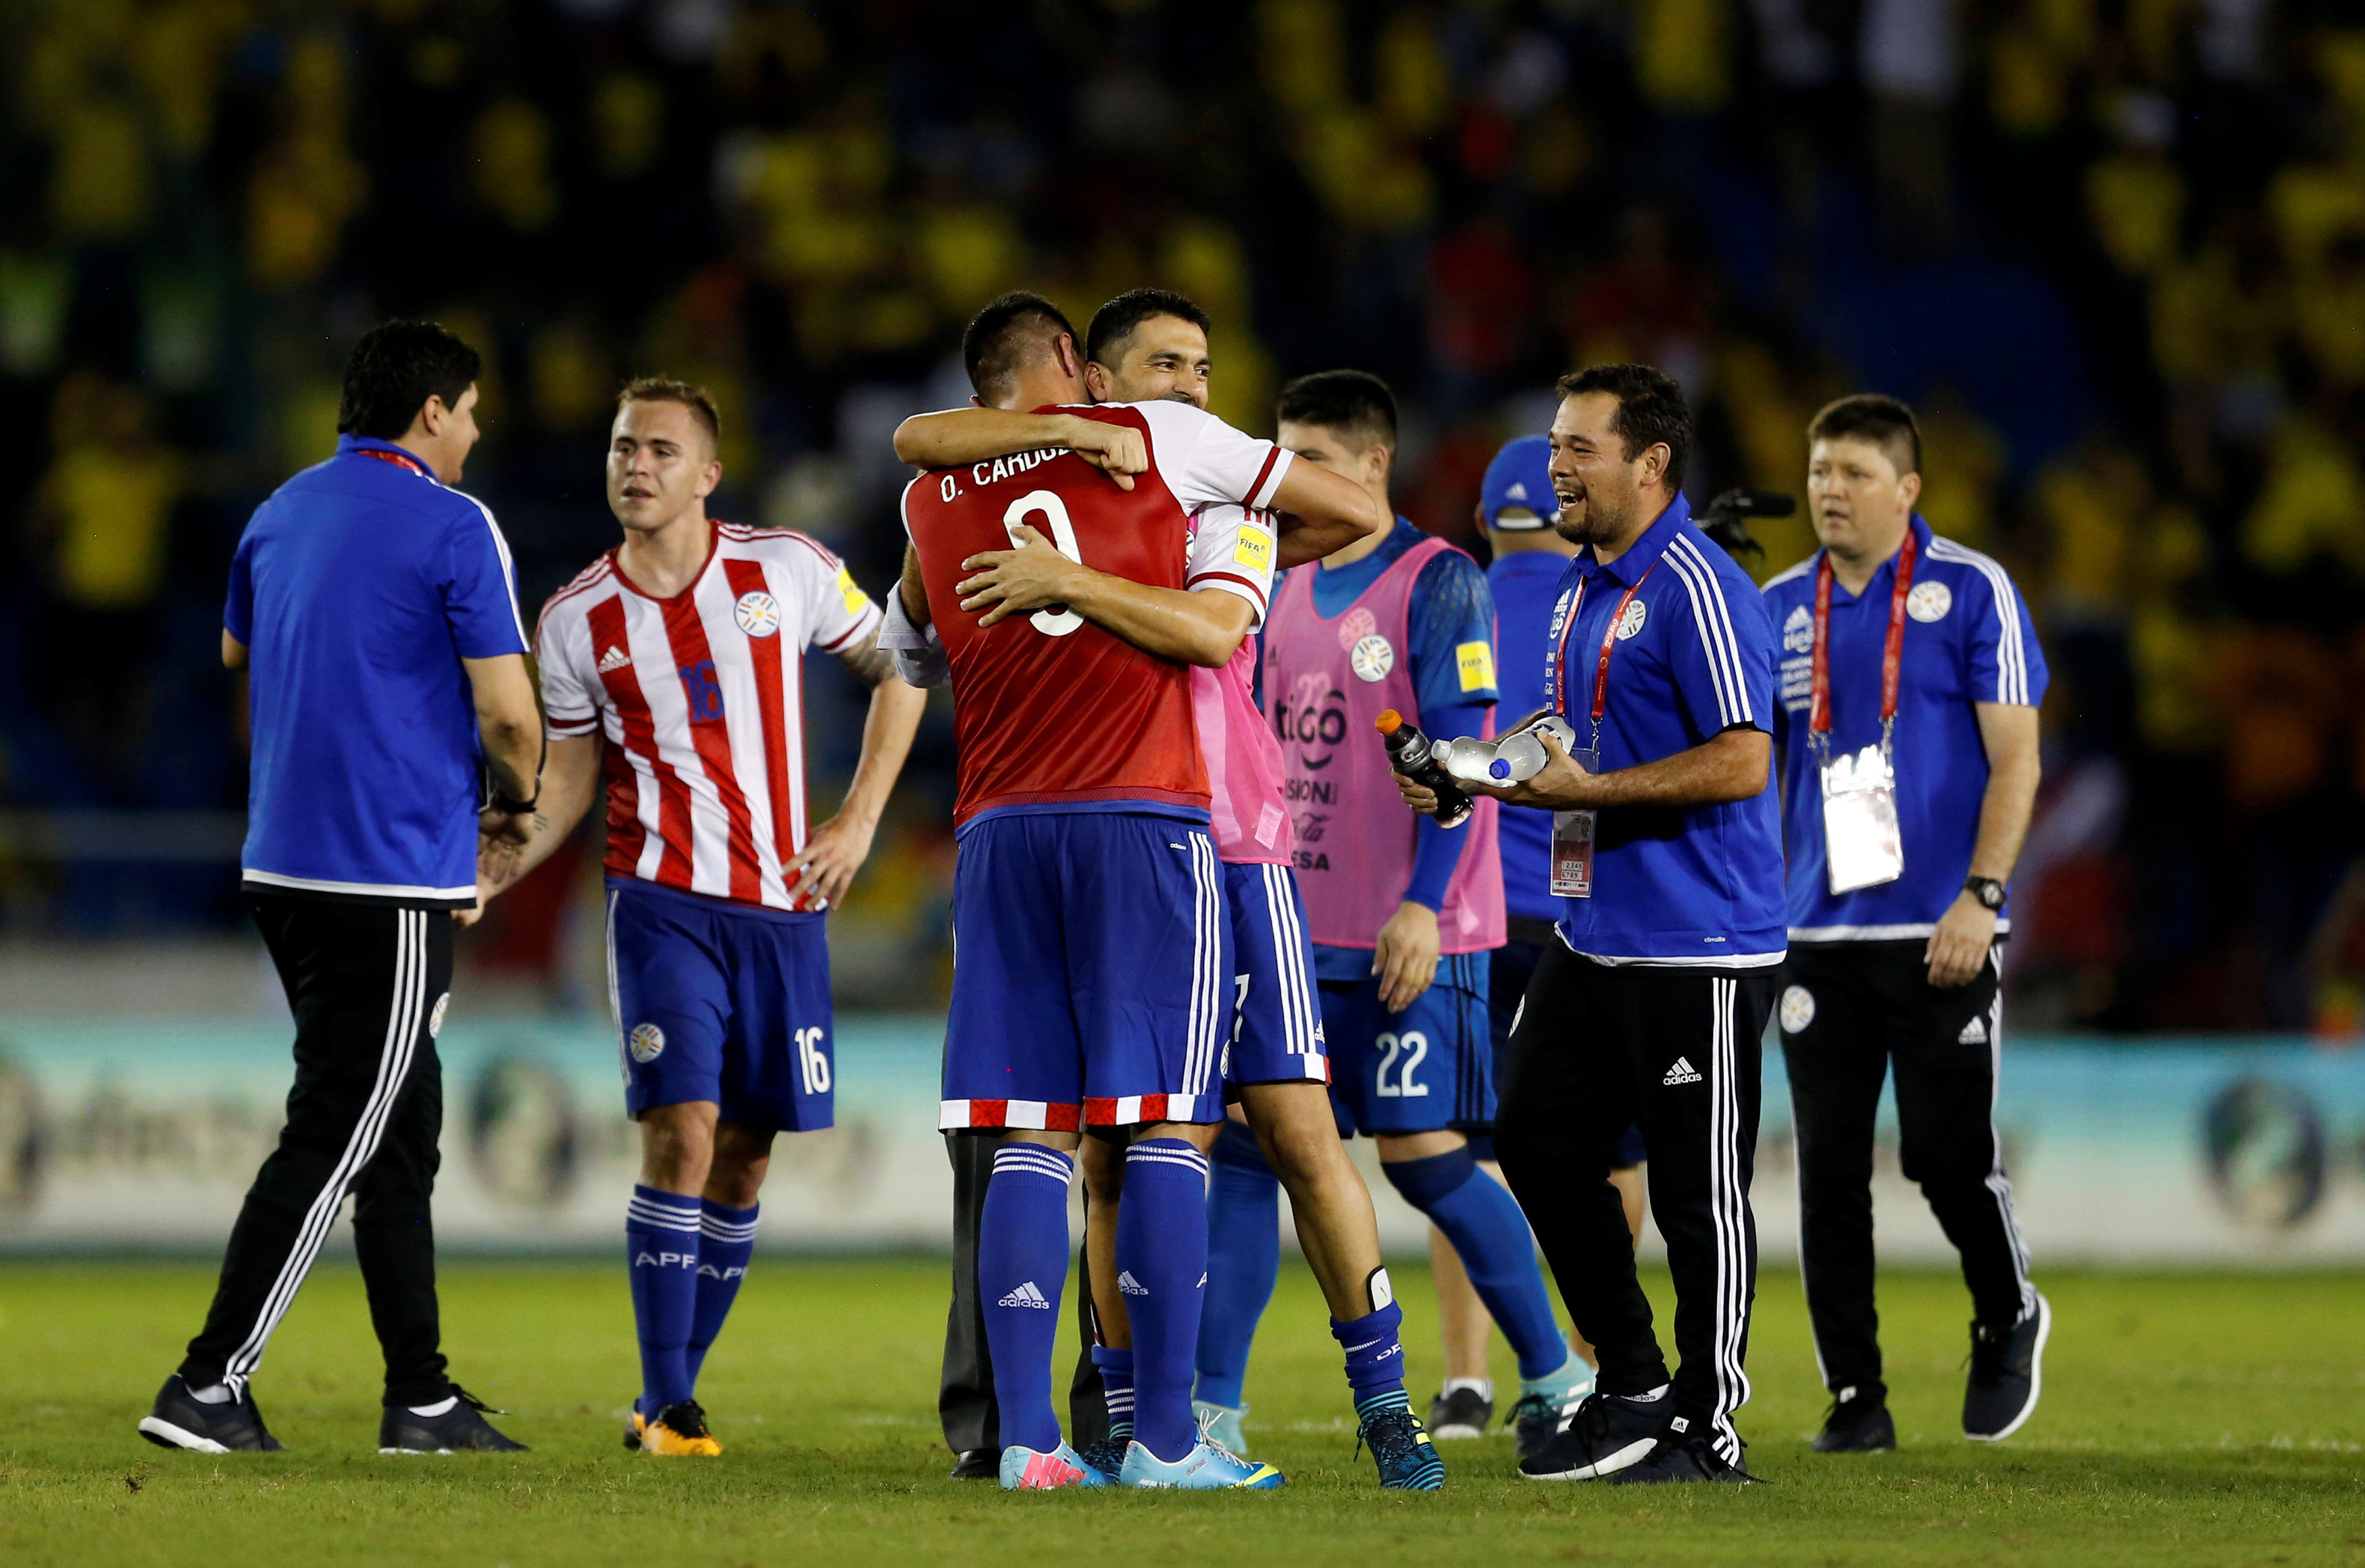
x: 1499, y: 768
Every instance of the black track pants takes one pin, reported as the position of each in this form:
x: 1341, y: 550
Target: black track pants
x: 365, y: 982
x: 1861, y: 1008
x: 965, y: 1406
x: 1600, y: 1048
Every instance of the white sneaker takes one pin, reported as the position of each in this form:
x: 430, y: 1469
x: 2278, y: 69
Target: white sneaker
x: 1205, y: 1468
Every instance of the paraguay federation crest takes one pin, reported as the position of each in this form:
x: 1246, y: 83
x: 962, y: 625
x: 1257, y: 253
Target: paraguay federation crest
x: 757, y: 612
x: 1929, y: 601
x: 1632, y: 622
x: 1797, y: 1009
x: 1372, y: 657
x: 646, y: 1041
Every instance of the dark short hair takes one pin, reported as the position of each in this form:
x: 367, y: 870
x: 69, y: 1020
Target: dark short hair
x: 1341, y: 400
x: 1887, y: 422
x: 995, y: 341
x: 1116, y: 322
x: 659, y: 389
x: 395, y: 368
x: 1651, y: 410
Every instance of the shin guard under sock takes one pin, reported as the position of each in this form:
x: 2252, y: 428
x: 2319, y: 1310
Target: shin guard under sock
x: 1491, y: 1234
x: 1374, y: 1348
x: 1161, y: 1259
x: 1022, y: 1266
x: 661, y: 1251
x: 726, y: 1240
x: 1243, y: 1262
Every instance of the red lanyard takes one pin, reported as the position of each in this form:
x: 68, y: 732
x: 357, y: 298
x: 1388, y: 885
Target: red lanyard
x: 1893, y: 653
x: 400, y: 459
x: 1609, y: 640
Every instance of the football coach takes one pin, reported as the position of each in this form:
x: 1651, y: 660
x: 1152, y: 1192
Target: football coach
x: 1649, y: 1006
x: 376, y: 609
x: 1909, y: 679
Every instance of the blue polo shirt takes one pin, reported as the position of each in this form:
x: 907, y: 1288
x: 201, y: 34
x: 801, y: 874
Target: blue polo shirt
x: 1526, y: 585
x: 1968, y: 640
x: 358, y: 588
x: 1696, y: 886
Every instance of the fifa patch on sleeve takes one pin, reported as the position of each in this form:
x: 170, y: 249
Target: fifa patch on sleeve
x: 856, y: 601
x: 1476, y: 663
x: 1254, y: 550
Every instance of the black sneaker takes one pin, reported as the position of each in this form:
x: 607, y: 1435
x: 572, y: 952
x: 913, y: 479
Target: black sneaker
x: 1534, y: 1420
x: 1606, y: 1434
x: 1406, y: 1457
x: 977, y: 1464
x: 1103, y: 1454
x: 179, y: 1420
x: 457, y: 1431
x: 1860, y: 1425
x: 2007, y: 1374
x: 1464, y: 1413
x: 1682, y: 1456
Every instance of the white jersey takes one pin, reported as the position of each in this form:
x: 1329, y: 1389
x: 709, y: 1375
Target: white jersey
x: 701, y: 700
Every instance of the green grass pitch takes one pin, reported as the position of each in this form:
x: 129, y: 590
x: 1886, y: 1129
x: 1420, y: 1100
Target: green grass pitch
x: 2187, y: 1420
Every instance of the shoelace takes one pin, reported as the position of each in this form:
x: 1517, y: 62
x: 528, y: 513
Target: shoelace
x: 472, y: 1403
x: 1393, y: 1439
x: 1207, y: 1420
x: 1540, y: 1405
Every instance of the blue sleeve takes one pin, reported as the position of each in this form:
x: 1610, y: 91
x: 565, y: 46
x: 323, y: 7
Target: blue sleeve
x: 1437, y: 850
x: 237, y: 609
x: 1450, y: 628
x: 2006, y: 664
x: 480, y: 587
x: 1720, y: 653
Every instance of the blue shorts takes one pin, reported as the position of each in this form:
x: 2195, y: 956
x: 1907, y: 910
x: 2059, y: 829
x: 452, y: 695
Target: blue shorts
x: 1421, y: 1070
x: 1092, y: 971
x: 1277, y: 1025
x: 721, y: 1002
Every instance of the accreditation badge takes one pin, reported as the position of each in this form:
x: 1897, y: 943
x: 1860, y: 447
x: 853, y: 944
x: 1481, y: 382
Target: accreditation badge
x: 1861, y: 841
x: 1571, y: 840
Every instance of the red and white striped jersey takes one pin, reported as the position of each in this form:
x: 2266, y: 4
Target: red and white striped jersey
x: 701, y: 700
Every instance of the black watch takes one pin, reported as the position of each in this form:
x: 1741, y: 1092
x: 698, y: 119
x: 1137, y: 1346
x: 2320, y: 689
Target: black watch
x: 1986, y: 890
x: 508, y: 807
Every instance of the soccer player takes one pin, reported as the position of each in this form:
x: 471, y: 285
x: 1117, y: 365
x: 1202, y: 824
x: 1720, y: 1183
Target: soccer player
x: 672, y: 665
x: 1094, y: 970
x: 1153, y: 344
x: 1401, y: 917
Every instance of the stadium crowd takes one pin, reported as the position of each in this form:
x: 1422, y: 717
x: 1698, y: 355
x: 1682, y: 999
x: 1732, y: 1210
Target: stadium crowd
x: 2117, y: 254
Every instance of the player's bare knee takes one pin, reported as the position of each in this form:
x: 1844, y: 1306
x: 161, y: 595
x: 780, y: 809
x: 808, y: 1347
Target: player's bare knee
x: 678, y: 1146
x: 1102, y: 1162
x: 743, y: 1155
x: 1395, y: 1147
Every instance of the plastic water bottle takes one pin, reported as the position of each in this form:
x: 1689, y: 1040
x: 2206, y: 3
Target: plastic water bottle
x: 1410, y: 753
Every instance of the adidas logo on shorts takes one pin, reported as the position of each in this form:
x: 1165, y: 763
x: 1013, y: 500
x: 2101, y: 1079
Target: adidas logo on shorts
x: 1681, y: 1072
x: 1026, y: 1295
x: 1131, y: 1286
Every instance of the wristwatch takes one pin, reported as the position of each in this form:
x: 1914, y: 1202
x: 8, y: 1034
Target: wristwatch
x: 1986, y: 890
x: 508, y: 807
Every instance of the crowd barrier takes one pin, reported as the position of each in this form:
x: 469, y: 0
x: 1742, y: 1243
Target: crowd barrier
x: 122, y: 1136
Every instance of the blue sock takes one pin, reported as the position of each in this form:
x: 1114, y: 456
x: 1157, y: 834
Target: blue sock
x: 1116, y: 1386
x: 726, y: 1240
x: 1376, y: 1352
x: 1487, y: 1229
x: 1022, y: 1266
x: 661, y: 1247
x: 1243, y: 1261
x: 1161, y: 1245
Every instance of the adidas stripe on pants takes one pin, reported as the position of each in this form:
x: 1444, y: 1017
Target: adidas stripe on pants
x: 1864, y: 1010
x: 363, y: 982
x: 1675, y: 1051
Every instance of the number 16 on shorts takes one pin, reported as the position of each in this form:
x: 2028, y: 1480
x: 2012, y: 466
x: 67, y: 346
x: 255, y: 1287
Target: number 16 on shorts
x: 812, y: 1060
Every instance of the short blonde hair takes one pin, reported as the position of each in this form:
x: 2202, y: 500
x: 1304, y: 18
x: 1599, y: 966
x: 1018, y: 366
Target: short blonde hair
x: 660, y: 389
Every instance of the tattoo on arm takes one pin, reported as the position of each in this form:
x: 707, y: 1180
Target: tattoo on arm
x: 873, y: 663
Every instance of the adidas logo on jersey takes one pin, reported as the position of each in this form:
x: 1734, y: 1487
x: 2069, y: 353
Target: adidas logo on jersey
x: 1131, y: 1286
x: 1681, y: 1072
x: 1026, y: 1295
x: 614, y: 659
x: 1975, y: 1032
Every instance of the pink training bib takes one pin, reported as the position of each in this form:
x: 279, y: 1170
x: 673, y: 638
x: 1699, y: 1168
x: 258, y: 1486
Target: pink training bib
x: 1251, y: 825
x: 1326, y: 683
